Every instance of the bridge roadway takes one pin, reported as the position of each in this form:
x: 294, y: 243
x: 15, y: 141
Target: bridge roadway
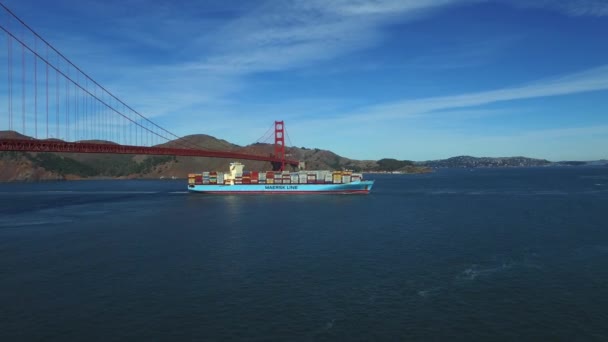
x: 25, y: 145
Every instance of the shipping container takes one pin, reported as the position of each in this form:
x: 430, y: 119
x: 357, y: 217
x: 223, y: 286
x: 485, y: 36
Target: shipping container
x: 254, y: 177
x: 302, y: 179
x: 337, y: 177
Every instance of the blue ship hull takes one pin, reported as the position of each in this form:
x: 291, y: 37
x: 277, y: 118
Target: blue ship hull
x: 359, y: 187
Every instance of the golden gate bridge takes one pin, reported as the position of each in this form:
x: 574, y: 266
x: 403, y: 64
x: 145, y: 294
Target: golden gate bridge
x: 52, y: 105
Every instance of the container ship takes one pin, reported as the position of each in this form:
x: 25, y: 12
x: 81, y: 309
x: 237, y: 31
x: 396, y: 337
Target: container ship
x: 237, y: 181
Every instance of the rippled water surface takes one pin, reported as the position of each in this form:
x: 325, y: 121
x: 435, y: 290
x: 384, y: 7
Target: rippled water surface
x: 510, y: 254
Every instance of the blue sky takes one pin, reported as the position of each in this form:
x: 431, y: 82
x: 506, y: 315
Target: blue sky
x: 366, y: 79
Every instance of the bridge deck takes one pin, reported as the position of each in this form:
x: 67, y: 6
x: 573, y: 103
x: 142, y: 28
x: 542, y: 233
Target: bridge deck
x: 24, y: 145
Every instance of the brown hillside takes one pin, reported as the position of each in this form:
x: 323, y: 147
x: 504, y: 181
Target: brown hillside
x: 203, y: 141
x: 16, y: 167
x: 13, y: 135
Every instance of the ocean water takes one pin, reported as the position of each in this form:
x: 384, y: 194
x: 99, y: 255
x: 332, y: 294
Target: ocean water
x: 457, y: 255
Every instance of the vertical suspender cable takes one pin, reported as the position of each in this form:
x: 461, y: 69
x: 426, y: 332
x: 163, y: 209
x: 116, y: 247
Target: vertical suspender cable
x: 85, y: 100
x: 105, y: 125
x: 23, y: 88
x: 89, y: 112
x: 77, y: 113
x: 47, y: 92
x: 67, y: 106
x: 104, y: 128
x: 57, y: 100
x: 35, y: 91
x: 125, y: 130
x: 76, y: 110
x: 95, y: 113
x: 8, y: 75
x: 113, y: 128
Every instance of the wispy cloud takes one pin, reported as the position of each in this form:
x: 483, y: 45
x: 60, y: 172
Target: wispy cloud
x: 595, y: 8
x: 589, y: 80
x: 294, y: 34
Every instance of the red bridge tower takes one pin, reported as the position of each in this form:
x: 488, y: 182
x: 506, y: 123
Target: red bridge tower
x: 279, y: 143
